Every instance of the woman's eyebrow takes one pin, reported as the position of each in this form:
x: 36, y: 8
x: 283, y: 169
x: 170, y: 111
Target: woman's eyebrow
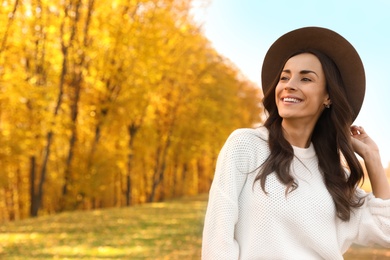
x: 303, y: 72
x: 307, y: 72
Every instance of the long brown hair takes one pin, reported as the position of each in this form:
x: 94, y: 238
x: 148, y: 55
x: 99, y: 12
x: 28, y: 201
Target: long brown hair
x: 331, y: 139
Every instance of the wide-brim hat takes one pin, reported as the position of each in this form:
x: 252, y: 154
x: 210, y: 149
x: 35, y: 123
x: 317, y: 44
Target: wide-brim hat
x: 331, y: 44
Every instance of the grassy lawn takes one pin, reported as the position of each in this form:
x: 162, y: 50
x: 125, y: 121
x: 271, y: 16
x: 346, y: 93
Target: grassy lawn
x: 169, y: 230
x: 151, y: 231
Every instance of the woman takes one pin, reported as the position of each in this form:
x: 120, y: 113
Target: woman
x: 289, y: 189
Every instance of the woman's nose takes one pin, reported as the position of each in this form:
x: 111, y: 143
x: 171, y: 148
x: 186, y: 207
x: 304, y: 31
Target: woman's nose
x: 290, y: 86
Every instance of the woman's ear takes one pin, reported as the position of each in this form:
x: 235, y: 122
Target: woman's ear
x: 327, y: 103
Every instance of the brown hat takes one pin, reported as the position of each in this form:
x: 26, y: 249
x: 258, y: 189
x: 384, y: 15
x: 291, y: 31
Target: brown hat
x: 331, y: 44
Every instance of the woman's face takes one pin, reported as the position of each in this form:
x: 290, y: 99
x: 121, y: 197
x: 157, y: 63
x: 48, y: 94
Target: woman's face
x: 301, y: 91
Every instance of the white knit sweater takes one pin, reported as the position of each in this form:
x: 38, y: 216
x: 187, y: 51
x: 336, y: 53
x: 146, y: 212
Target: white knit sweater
x: 242, y: 222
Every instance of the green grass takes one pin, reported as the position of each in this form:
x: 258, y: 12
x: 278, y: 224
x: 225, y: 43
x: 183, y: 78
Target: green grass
x: 167, y: 230
x: 170, y: 230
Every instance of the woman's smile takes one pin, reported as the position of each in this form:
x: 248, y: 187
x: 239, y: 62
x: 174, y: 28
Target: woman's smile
x: 291, y: 100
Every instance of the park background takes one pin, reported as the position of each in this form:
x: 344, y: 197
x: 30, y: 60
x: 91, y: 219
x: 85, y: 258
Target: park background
x: 110, y: 104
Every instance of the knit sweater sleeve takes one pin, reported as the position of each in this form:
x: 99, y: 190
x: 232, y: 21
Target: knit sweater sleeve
x: 222, y: 210
x: 375, y: 222
x: 369, y: 224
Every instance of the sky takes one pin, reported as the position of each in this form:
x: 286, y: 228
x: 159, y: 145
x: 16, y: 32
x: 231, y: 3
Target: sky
x: 243, y: 30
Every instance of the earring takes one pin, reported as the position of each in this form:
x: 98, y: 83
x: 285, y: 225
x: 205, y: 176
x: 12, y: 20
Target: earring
x: 328, y: 104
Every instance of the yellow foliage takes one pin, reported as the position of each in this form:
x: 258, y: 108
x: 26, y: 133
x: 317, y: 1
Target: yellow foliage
x: 111, y: 103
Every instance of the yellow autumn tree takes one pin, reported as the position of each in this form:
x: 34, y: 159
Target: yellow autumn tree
x: 111, y: 103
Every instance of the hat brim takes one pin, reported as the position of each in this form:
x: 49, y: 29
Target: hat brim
x: 331, y: 44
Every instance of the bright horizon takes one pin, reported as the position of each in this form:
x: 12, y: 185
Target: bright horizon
x: 243, y: 30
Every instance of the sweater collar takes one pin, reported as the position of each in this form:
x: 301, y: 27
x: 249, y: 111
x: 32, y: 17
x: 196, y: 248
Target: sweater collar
x: 301, y: 153
x: 304, y: 153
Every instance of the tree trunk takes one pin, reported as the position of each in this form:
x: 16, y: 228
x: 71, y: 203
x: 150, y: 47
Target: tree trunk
x: 76, y: 86
x: 159, y: 169
x: 161, y: 160
x: 132, y: 130
x: 8, y: 26
x: 64, y: 71
x: 34, y: 205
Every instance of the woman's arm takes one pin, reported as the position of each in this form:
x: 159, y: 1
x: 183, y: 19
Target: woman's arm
x: 368, y: 150
x: 222, y: 210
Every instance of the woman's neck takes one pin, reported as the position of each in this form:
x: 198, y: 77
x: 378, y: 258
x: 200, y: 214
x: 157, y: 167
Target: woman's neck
x: 297, y: 134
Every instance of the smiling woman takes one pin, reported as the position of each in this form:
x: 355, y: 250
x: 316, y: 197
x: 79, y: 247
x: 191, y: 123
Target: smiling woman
x: 241, y: 31
x: 289, y: 189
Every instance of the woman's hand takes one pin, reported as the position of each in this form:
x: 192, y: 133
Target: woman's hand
x: 368, y: 150
x: 362, y: 143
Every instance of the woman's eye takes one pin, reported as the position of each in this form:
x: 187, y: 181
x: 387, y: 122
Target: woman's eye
x: 306, y: 79
x: 283, y: 78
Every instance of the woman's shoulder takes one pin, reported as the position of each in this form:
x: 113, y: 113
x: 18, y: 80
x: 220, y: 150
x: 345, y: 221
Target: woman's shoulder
x: 247, y: 139
x: 246, y: 145
x: 249, y: 134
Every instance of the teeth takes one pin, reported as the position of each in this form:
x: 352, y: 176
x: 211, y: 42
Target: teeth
x: 294, y: 100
